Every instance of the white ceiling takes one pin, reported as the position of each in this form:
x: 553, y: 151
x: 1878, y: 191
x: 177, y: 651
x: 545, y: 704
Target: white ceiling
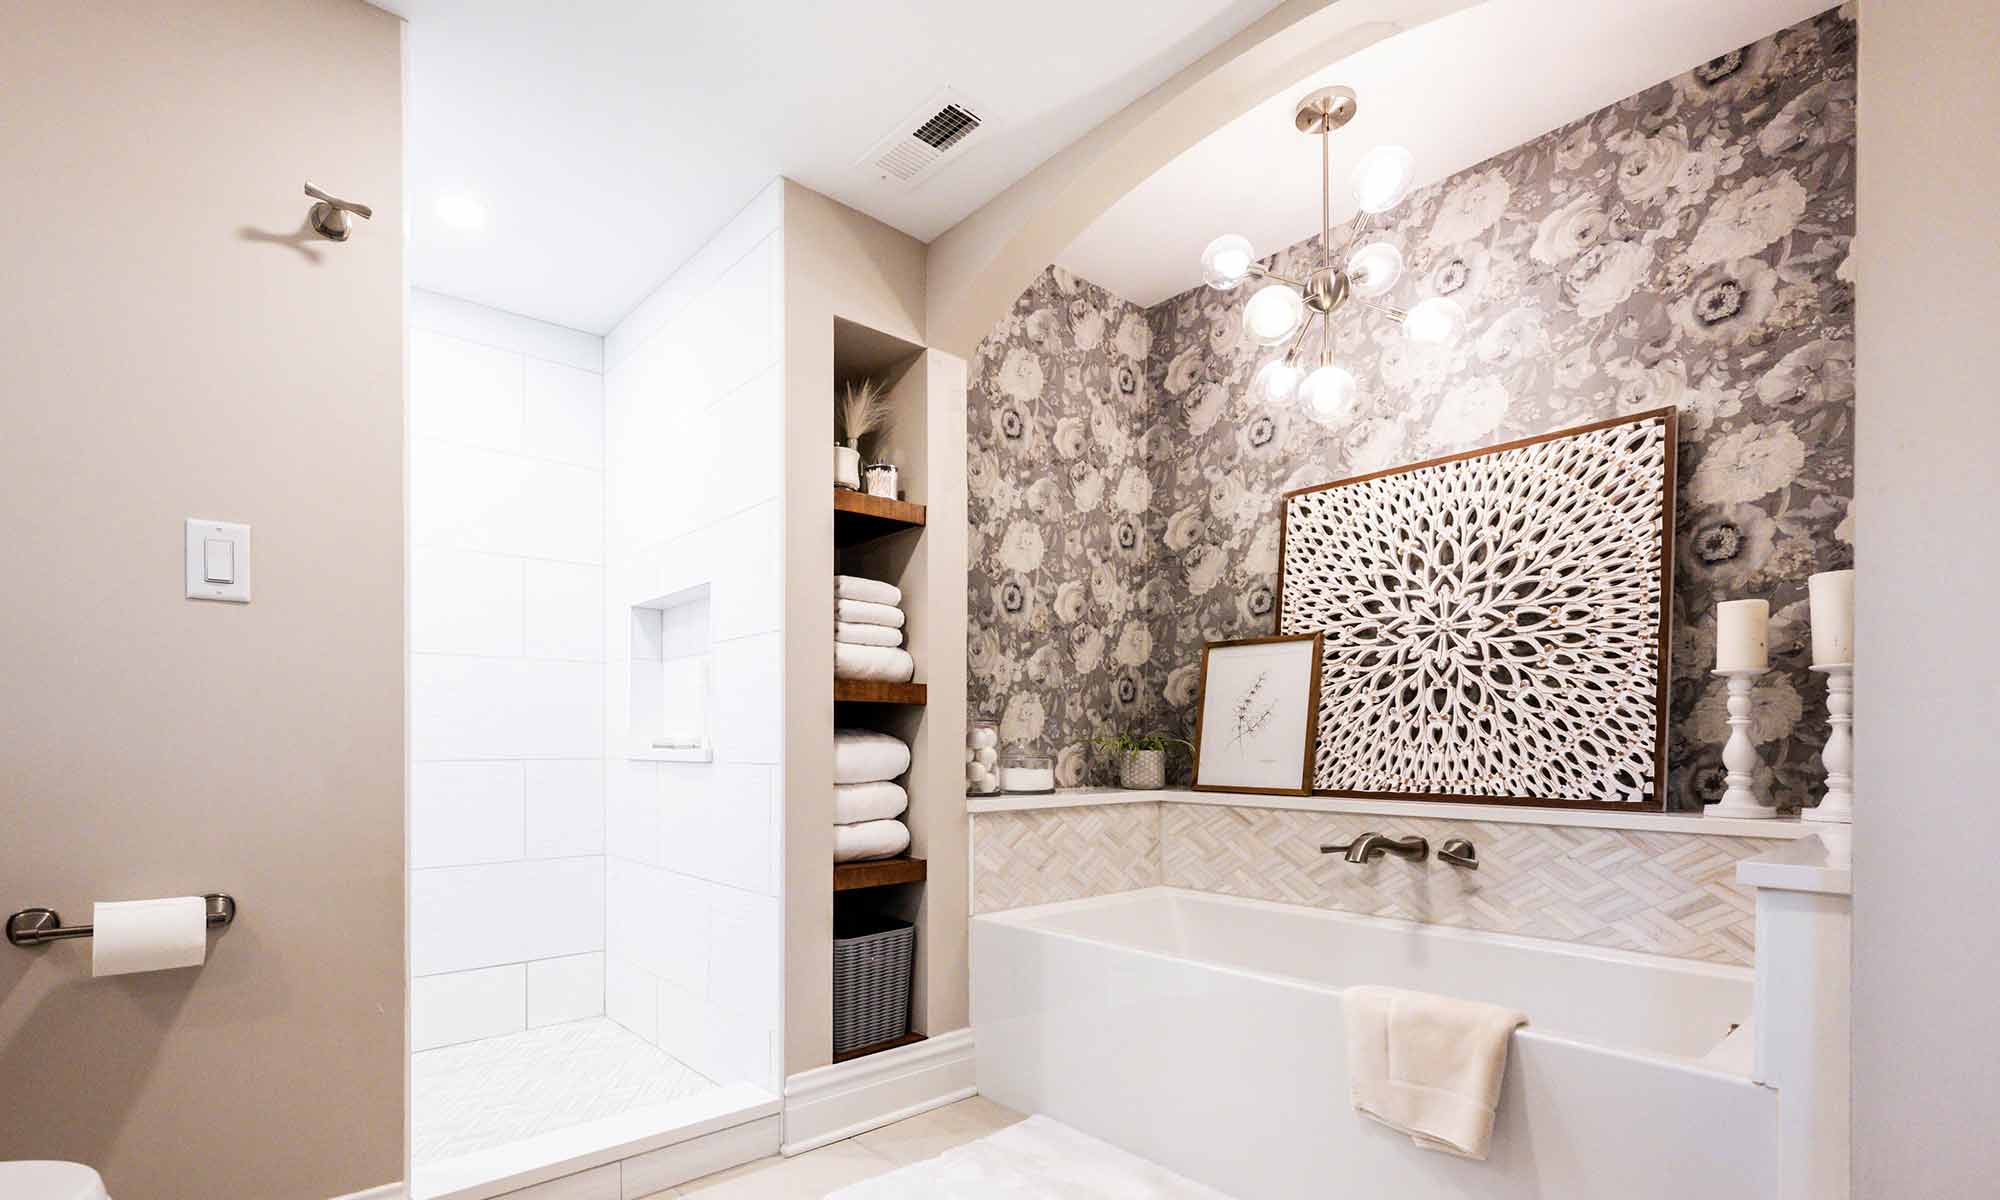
x: 1455, y: 91
x: 608, y: 139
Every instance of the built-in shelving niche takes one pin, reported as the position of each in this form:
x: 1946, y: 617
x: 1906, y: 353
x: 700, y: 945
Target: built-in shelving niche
x: 882, y: 538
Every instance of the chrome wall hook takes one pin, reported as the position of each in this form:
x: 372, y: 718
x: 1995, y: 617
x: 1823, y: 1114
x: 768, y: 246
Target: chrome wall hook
x: 329, y: 217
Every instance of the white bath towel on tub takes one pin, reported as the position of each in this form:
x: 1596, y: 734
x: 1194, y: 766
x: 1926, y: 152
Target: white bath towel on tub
x: 1429, y: 1066
x: 880, y: 664
x: 853, y: 587
x: 867, y: 612
x: 867, y: 755
x: 866, y: 635
x: 854, y: 803
x: 870, y: 839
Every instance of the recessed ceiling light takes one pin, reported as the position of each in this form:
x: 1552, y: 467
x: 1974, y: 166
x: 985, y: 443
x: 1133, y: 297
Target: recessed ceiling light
x: 461, y: 212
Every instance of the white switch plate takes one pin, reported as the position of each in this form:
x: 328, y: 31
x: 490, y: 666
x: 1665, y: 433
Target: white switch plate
x: 229, y: 560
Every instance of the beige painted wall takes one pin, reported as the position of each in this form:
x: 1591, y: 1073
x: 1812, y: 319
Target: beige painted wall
x: 978, y: 266
x: 1926, y: 1094
x: 839, y: 263
x: 168, y: 353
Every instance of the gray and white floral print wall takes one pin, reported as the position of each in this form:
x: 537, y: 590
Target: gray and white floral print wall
x: 1686, y: 246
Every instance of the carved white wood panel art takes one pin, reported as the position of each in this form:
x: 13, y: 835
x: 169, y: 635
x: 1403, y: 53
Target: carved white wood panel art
x: 1494, y: 623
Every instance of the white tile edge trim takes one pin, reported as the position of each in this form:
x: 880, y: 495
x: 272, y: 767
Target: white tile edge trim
x: 830, y: 1103
x: 1778, y: 829
x: 1807, y: 865
x: 544, y: 1157
x: 388, y: 1191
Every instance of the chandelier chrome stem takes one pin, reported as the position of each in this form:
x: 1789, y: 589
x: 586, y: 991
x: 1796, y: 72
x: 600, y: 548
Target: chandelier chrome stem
x: 1258, y: 271
x: 1325, y: 196
x: 1305, y: 326
x: 1388, y: 310
x: 1354, y: 231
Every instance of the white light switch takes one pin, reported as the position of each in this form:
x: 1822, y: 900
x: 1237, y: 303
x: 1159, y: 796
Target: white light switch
x: 218, y: 561
x: 221, y: 566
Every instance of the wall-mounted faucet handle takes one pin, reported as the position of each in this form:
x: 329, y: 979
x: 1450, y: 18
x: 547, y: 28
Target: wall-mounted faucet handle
x: 1459, y: 853
x: 1368, y: 847
x: 329, y: 216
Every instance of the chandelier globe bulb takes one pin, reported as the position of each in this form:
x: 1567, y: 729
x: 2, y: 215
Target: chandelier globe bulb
x: 1273, y: 314
x: 1383, y: 177
x: 1226, y: 263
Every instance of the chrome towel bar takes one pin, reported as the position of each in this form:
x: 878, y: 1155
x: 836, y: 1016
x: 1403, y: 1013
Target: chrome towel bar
x: 36, y: 926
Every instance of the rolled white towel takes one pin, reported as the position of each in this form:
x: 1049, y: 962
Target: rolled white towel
x: 870, y: 839
x: 854, y: 587
x: 984, y: 739
x: 986, y: 757
x: 864, y: 612
x: 878, y: 664
x: 854, y: 803
x: 866, y: 635
x: 867, y: 755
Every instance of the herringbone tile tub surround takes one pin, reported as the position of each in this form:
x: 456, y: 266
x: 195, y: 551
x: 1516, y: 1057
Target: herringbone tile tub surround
x: 1039, y: 856
x: 1662, y: 893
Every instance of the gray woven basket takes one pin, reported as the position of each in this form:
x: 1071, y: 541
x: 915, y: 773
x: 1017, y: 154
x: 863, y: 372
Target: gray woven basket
x: 872, y: 959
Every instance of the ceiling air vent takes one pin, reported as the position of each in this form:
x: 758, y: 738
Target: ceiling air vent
x: 925, y: 140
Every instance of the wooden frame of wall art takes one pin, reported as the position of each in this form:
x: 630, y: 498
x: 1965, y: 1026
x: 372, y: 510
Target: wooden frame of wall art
x: 1496, y: 621
x: 1258, y: 716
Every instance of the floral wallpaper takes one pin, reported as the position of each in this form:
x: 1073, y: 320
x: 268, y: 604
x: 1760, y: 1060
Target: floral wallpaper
x: 1066, y: 539
x: 1686, y: 246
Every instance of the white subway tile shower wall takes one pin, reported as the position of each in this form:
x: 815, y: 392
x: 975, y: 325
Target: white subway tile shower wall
x: 506, y: 674
x: 693, y: 929
x: 1661, y: 893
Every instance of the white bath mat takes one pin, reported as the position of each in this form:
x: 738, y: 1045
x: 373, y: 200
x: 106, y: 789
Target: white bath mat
x: 1038, y: 1159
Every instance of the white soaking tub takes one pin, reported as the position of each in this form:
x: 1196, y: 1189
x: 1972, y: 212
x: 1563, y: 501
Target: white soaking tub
x: 1205, y: 1033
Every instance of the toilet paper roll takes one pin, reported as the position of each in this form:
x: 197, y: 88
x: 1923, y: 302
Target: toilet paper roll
x: 148, y: 935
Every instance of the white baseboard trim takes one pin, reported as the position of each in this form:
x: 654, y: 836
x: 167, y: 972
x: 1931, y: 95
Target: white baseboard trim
x: 834, y: 1102
x: 388, y: 1191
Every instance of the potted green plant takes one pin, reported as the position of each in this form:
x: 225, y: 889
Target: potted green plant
x: 1142, y: 758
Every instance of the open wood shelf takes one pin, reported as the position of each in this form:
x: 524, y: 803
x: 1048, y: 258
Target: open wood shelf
x: 881, y: 872
x: 908, y: 1039
x: 867, y: 691
x: 858, y: 517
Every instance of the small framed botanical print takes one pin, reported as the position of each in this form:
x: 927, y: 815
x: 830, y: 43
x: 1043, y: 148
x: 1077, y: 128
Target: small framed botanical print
x: 1258, y: 717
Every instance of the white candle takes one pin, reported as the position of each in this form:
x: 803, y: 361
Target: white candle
x: 1832, y: 594
x: 1740, y: 633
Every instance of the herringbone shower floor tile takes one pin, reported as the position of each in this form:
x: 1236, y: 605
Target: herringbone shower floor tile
x: 487, y: 1093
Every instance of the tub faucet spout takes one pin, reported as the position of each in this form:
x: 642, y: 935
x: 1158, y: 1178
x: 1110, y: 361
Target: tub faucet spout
x: 1371, y: 846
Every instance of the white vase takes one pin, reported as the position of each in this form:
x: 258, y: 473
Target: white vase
x: 1142, y: 770
x: 847, y: 468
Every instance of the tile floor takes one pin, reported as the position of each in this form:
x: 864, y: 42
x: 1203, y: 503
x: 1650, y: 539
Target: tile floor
x: 488, y: 1093
x: 813, y: 1174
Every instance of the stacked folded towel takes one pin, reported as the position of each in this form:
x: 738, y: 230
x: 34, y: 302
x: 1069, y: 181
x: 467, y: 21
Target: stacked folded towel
x: 868, y: 631
x: 867, y: 802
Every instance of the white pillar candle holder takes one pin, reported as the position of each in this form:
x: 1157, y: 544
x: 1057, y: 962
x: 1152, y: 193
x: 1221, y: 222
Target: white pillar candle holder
x: 1837, y: 806
x: 1744, y: 798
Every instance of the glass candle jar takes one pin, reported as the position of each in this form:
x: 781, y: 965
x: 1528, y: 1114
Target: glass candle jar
x: 1028, y: 774
x: 881, y: 479
x: 982, y: 758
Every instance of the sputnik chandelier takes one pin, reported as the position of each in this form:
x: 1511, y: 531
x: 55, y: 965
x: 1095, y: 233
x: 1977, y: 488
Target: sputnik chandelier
x: 1287, y: 309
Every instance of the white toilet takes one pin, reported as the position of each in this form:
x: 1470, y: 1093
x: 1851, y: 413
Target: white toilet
x: 50, y: 1181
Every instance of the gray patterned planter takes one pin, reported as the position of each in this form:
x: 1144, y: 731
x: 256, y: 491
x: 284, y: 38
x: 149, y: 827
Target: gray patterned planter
x: 1142, y: 770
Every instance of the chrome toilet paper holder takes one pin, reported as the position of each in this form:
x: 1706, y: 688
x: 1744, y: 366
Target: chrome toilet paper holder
x: 39, y: 926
